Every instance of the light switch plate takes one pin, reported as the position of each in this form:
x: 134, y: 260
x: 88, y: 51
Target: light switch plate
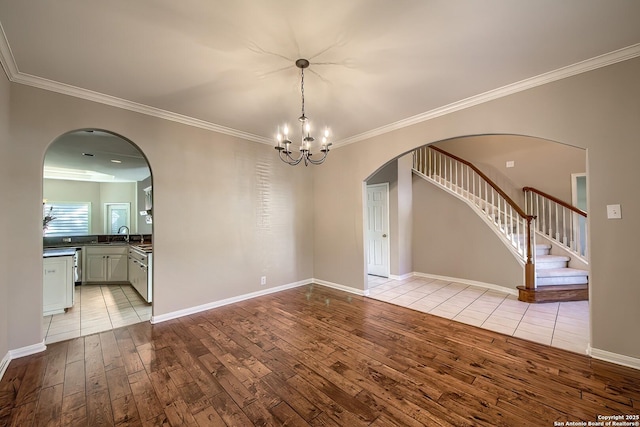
x: 511, y: 164
x: 614, y: 212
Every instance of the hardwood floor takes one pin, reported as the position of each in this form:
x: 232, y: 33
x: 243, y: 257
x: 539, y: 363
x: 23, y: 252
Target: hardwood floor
x: 310, y: 356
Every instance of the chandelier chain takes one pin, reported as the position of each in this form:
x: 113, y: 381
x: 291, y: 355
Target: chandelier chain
x: 302, y: 89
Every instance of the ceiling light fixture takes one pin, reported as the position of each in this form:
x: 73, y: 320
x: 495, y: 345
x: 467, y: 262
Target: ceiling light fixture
x: 284, y: 144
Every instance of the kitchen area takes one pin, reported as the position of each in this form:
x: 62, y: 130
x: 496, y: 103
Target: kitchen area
x: 97, y: 235
x: 95, y: 283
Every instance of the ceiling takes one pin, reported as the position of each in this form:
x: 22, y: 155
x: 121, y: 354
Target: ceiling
x: 228, y: 65
x: 91, y: 155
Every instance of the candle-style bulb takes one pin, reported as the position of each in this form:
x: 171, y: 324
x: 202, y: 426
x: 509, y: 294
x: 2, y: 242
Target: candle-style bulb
x: 286, y: 130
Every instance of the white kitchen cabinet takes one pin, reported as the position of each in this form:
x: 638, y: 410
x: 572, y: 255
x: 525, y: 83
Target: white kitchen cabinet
x: 105, y: 264
x: 58, y: 286
x: 140, y: 272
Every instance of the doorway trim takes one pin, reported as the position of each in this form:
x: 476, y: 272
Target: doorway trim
x: 383, y: 240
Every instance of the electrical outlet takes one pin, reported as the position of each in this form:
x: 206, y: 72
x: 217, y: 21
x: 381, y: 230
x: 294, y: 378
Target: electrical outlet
x: 614, y: 212
x: 263, y: 280
x: 511, y: 164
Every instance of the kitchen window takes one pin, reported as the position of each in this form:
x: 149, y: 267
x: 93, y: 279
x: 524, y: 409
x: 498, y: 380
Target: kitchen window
x: 117, y: 215
x: 68, y: 218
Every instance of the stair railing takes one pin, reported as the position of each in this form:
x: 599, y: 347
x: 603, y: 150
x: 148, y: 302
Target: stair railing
x: 468, y: 182
x: 558, y: 220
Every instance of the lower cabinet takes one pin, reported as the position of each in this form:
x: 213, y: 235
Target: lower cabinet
x: 105, y: 264
x: 58, y: 285
x: 139, y: 273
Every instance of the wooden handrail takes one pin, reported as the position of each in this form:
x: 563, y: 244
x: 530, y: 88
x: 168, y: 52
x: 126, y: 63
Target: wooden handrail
x: 493, y: 185
x: 556, y: 200
x: 529, y: 267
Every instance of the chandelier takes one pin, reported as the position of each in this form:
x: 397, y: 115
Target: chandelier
x: 284, y: 143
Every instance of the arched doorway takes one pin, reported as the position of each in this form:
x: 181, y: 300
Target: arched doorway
x: 98, y: 230
x: 454, y: 261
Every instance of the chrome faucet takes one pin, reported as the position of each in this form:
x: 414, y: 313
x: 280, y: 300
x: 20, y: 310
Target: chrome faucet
x: 127, y: 236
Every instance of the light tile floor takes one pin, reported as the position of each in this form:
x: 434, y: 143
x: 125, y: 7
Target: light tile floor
x: 97, y: 308
x: 564, y: 325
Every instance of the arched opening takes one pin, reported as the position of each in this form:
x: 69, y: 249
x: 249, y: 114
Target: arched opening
x: 97, y: 235
x: 445, y: 260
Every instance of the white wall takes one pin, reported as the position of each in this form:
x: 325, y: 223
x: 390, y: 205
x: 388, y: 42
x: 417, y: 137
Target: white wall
x: 597, y: 111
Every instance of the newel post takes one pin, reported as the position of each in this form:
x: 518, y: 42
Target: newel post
x: 530, y: 267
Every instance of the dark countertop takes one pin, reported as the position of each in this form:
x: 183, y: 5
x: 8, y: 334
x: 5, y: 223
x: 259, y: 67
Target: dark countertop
x: 48, y: 253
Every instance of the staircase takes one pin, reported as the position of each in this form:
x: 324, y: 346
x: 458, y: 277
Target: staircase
x: 555, y: 280
x: 548, y: 276
x: 565, y: 226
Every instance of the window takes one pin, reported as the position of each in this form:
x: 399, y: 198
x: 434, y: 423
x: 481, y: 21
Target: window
x: 116, y: 216
x: 69, y: 218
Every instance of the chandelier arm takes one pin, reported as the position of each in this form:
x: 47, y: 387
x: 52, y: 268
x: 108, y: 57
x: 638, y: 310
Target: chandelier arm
x: 290, y: 160
x: 320, y: 160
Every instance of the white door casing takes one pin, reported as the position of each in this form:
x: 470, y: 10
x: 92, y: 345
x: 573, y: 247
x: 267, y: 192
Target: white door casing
x: 579, y: 200
x: 378, y: 229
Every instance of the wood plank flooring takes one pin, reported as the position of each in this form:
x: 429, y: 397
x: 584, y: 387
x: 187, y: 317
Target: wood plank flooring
x: 310, y: 356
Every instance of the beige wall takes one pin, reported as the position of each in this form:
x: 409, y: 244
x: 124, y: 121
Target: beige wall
x: 226, y: 211
x: 403, y: 250
x: 5, y: 261
x: 450, y: 239
x: 597, y: 111
x: 538, y: 163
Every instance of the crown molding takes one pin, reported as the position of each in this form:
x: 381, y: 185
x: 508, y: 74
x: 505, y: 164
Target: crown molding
x: 10, y: 67
x: 113, y: 101
x: 610, y: 58
x: 8, y: 62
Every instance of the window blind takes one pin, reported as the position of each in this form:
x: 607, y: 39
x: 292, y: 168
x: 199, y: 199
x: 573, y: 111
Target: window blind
x: 71, y: 218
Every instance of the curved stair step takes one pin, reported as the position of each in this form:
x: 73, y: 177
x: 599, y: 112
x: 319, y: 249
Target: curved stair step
x: 562, y: 276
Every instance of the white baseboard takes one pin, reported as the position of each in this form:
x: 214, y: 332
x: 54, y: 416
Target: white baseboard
x: 342, y: 287
x: 491, y: 286
x: 199, y: 308
x: 27, y: 351
x: 618, y: 359
x: 4, y: 364
x: 402, y: 276
x: 20, y: 352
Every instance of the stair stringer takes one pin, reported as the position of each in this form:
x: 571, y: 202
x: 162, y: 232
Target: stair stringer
x: 481, y: 213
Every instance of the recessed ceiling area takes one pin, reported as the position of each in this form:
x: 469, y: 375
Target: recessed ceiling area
x: 92, y: 155
x: 229, y: 65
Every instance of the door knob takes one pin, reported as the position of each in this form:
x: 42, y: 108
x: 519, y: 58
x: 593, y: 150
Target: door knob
x: 384, y: 235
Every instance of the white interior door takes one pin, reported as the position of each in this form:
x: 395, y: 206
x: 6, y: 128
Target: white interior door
x: 378, y: 229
